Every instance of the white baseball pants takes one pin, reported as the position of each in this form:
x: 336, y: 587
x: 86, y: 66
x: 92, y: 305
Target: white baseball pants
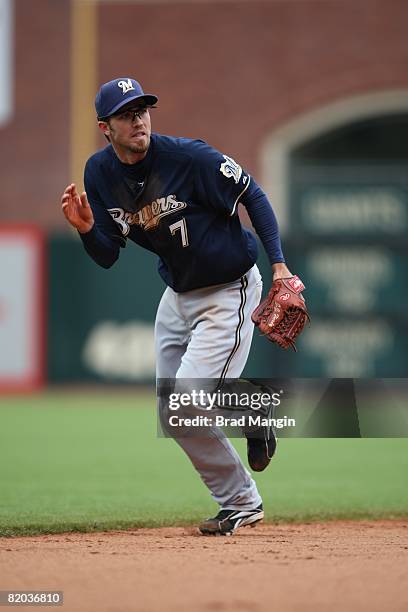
x: 207, y: 333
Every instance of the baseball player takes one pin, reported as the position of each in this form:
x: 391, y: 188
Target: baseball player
x: 179, y: 199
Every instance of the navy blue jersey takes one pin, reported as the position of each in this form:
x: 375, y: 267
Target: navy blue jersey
x: 181, y: 203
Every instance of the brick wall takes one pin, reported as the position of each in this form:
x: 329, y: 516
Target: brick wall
x: 225, y: 72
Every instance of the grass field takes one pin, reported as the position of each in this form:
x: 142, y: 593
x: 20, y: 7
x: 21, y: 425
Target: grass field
x: 93, y: 461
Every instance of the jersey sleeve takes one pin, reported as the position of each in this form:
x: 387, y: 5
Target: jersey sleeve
x: 264, y: 221
x: 104, y: 241
x: 222, y: 183
x: 219, y: 180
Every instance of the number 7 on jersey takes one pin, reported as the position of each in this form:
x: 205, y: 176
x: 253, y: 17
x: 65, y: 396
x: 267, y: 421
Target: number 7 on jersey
x: 182, y: 226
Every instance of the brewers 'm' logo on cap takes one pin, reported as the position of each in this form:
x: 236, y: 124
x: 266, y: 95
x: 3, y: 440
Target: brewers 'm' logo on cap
x: 125, y: 85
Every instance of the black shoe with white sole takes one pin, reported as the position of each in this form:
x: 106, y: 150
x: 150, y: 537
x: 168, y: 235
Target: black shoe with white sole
x: 227, y: 521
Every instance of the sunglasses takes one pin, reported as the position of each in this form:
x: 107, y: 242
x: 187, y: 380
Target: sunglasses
x: 130, y: 114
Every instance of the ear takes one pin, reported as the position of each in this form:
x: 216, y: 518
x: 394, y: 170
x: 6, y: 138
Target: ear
x: 104, y: 127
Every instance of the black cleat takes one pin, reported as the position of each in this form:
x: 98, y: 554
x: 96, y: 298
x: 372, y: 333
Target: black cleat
x: 261, y: 450
x: 261, y: 442
x: 227, y: 521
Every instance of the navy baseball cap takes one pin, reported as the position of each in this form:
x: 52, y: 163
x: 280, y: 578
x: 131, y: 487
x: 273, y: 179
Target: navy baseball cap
x: 115, y: 94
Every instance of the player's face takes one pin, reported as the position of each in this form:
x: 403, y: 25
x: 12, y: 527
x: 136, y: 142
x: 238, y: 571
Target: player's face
x: 129, y: 133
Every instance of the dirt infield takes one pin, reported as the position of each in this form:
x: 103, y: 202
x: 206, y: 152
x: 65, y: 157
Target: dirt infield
x: 317, y: 566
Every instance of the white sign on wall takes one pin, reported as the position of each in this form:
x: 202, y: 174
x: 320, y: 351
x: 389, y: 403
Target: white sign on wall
x: 6, y: 60
x: 21, y: 308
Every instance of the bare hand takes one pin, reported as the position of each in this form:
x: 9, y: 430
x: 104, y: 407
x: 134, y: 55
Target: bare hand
x: 76, y: 209
x: 280, y: 270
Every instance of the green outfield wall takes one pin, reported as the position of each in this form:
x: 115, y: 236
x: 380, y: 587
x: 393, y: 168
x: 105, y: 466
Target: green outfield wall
x: 100, y: 322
